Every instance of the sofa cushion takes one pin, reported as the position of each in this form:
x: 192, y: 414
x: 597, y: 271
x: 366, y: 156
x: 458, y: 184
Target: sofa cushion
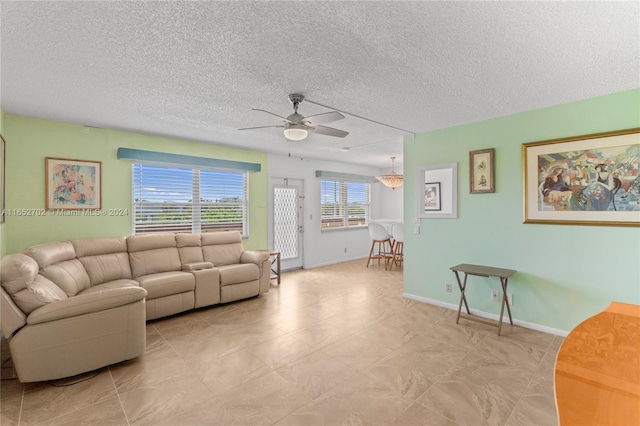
x: 107, y: 267
x: 20, y: 279
x: 152, y: 254
x: 167, y: 283
x: 70, y: 276
x: 222, y: 248
x: 98, y: 246
x: 50, y: 253
x: 241, y: 273
x: 189, y: 247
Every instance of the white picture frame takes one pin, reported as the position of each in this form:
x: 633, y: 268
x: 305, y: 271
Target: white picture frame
x: 447, y: 176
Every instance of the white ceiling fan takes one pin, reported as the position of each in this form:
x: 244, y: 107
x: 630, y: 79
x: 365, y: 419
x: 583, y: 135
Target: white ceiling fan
x: 297, y: 127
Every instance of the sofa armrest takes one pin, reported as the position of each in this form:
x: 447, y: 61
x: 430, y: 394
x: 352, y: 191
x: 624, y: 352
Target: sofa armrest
x: 12, y: 317
x: 81, y: 304
x: 254, y: 256
x: 196, y: 266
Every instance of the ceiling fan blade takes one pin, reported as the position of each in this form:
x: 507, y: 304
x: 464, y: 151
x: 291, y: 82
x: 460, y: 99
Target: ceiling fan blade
x: 282, y: 118
x: 328, y: 131
x: 259, y: 127
x: 326, y: 117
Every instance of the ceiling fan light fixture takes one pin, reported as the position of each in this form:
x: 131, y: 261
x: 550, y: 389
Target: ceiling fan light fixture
x: 392, y: 180
x: 295, y: 132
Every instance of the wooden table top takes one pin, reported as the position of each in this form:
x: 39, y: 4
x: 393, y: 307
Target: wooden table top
x: 483, y: 271
x: 597, y: 374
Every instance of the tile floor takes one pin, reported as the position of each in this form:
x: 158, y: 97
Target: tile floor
x: 333, y: 345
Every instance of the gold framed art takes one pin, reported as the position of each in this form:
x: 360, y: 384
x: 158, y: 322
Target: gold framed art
x: 583, y: 180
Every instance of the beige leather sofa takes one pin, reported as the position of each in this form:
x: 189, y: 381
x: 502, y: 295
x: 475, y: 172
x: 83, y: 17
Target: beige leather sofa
x: 74, y: 306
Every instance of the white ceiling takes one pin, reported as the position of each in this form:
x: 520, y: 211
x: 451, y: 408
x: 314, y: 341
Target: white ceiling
x: 195, y: 70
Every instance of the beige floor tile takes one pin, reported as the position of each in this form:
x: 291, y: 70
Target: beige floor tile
x: 312, y: 414
x: 321, y: 334
x: 222, y: 374
x: 11, y: 391
x: 411, y: 372
x: 263, y: 401
x: 316, y: 373
x: 512, y: 351
x: 46, y: 400
x: 357, y: 352
x: 418, y: 415
x: 363, y: 400
x: 205, y: 413
x: 107, y: 412
x: 281, y: 351
x: 151, y: 404
x: 478, y: 390
x: 537, y: 410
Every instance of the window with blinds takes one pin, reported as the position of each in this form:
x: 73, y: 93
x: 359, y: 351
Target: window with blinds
x: 344, y: 204
x: 177, y: 199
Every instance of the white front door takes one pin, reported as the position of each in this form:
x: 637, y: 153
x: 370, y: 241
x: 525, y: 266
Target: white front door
x: 287, y: 217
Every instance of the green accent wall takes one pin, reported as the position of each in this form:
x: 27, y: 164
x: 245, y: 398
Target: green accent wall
x: 30, y: 140
x: 2, y: 247
x: 565, y: 273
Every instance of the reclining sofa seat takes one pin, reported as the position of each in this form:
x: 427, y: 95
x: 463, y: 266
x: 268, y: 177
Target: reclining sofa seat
x: 243, y: 274
x: 155, y: 264
x: 61, y: 320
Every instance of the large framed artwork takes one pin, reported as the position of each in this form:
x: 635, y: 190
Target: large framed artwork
x: 73, y: 184
x: 583, y: 180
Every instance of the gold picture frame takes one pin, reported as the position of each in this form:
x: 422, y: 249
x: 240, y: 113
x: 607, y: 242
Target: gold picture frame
x: 583, y: 180
x: 482, y: 171
x: 73, y: 184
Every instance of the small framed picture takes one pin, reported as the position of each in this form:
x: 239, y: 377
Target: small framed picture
x: 432, y: 197
x: 482, y: 171
x: 73, y: 184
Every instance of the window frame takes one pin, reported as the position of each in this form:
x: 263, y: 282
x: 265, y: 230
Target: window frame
x: 196, y: 188
x: 343, y: 205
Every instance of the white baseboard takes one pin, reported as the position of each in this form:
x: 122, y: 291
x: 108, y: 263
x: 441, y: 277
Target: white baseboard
x: 333, y: 262
x: 525, y: 324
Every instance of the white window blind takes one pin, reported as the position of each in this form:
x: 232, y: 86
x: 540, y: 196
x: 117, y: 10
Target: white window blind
x: 344, y: 204
x: 180, y: 199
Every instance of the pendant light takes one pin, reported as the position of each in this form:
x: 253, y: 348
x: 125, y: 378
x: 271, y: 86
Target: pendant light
x: 392, y: 180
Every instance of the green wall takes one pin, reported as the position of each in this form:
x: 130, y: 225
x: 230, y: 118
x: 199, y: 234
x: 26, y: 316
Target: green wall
x: 565, y: 273
x: 30, y: 140
x: 2, y: 247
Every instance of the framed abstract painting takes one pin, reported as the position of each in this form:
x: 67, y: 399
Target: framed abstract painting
x: 73, y: 184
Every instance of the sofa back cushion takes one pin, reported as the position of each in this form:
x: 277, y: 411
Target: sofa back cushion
x: 20, y: 279
x: 58, y: 263
x: 190, y: 248
x: 152, y: 254
x: 104, y: 259
x: 222, y: 248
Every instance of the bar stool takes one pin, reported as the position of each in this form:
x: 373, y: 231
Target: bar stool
x: 397, y: 257
x: 381, y: 238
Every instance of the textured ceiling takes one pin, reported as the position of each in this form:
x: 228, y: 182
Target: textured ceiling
x: 195, y: 70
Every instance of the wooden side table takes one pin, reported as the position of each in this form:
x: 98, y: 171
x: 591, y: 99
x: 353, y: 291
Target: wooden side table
x: 275, y: 263
x: 482, y: 271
